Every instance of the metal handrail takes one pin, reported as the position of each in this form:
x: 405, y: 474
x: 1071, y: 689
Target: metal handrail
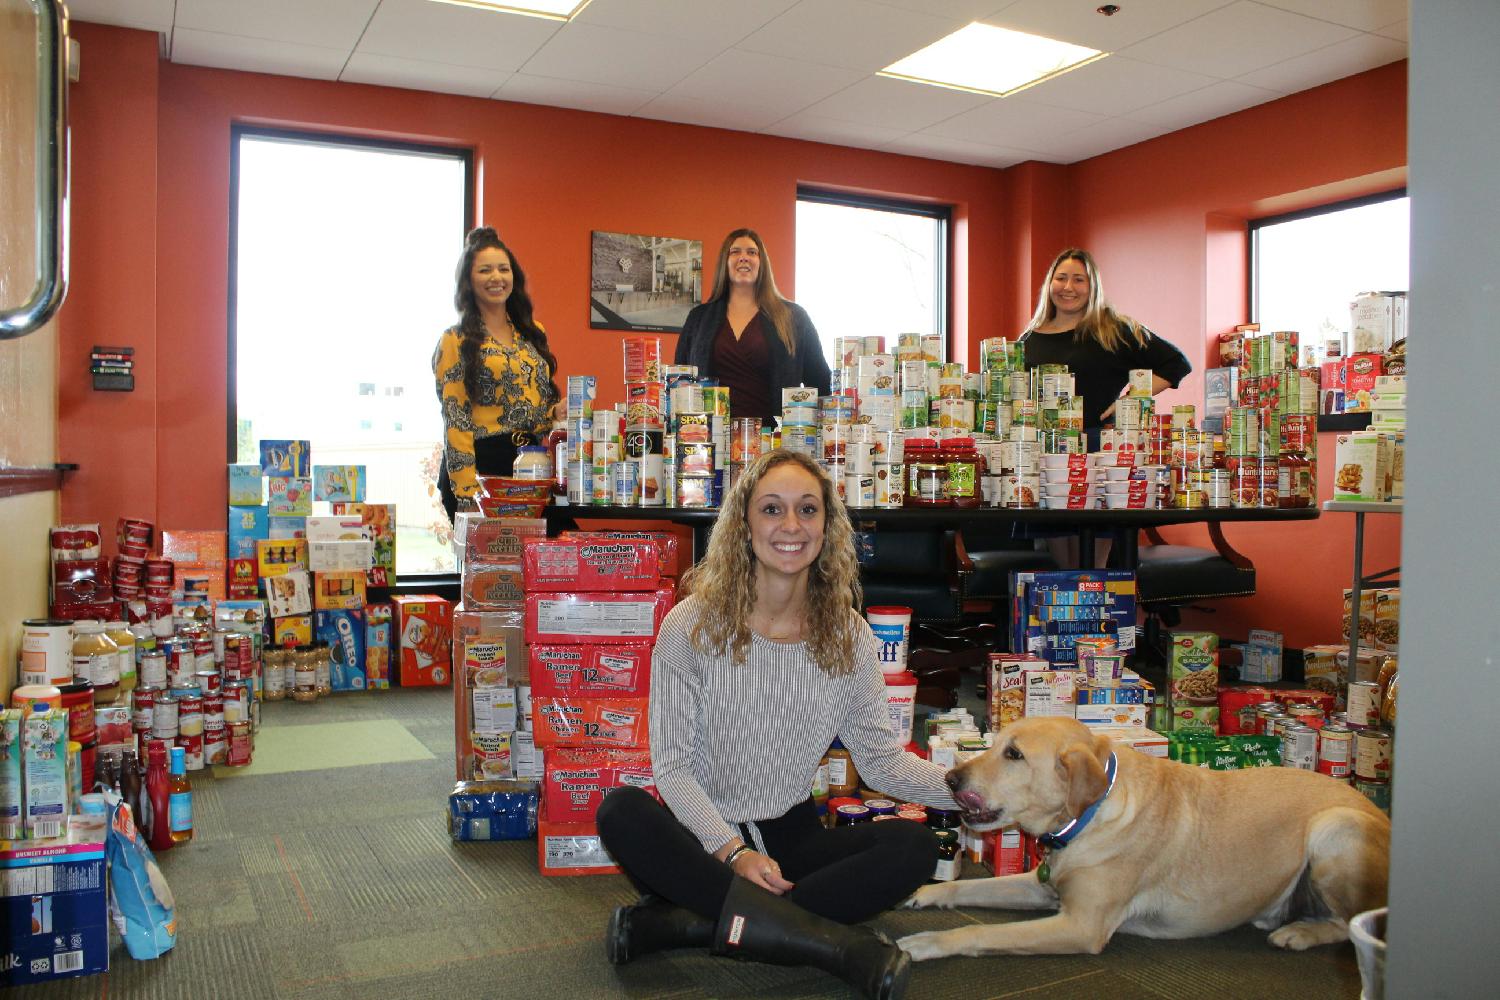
x: 51, y: 175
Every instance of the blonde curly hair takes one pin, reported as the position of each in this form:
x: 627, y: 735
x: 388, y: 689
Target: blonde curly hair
x: 724, y: 582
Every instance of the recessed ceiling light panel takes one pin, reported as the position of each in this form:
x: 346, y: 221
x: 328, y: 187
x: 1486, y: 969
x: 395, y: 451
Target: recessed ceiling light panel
x: 984, y: 59
x: 554, y: 10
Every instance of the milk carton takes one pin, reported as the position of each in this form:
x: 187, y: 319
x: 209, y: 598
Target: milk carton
x: 10, y: 774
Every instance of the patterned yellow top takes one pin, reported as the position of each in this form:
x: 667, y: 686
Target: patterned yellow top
x: 512, y: 381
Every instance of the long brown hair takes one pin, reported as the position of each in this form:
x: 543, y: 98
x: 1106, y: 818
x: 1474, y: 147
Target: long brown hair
x: 517, y: 307
x: 724, y: 582
x: 767, y: 296
x: 1101, y: 323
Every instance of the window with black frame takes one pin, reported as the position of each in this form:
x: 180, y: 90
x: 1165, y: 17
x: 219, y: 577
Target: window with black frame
x: 341, y: 279
x: 872, y: 266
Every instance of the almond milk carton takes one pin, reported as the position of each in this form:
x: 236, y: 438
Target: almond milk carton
x: 44, y: 762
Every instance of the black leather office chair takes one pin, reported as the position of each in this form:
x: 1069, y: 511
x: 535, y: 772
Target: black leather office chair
x: 1170, y: 577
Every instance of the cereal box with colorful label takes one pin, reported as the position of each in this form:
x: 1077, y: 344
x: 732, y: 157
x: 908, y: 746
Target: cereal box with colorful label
x: 281, y: 458
x: 247, y: 525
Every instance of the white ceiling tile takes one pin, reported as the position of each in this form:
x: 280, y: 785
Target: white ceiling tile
x: 1366, y: 15
x: 530, y: 89
x: 1115, y: 85
x: 255, y: 55
x: 778, y: 86
x: 413, y: 74
x: 617, y: 57
x: 147, y: 15
x: 1216, y: 101
x: 1015, y: 122
x: 1399, y: 30
x: 937, y: 147
x: 1335, y: 62
x: 721, y: 21
x: 852, y: 33
x: 327, y: 24
x: 831, y: 130
x: 742, y: 116
x: 1103, y: 137
x: 1079, y: 22
x: 898, y: 104
x: 1237, y: 39
x: 463, y: 36
x: 960, y: 10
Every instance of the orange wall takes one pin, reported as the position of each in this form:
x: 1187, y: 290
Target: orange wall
x: 1166, y: 219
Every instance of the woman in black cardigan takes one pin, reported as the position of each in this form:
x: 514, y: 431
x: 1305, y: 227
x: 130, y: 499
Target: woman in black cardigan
x: 748, y: 336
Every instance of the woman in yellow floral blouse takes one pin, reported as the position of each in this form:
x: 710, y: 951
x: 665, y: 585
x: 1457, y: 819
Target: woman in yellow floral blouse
x: 494, y: 371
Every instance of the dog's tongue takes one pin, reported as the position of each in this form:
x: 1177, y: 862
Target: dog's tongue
x: 971, y: 801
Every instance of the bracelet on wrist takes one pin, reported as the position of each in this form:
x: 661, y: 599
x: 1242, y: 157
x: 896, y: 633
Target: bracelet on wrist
x: 733, y: 855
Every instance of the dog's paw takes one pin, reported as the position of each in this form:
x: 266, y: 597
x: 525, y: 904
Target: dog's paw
x: 928, y: 944
x: 941, y: 895
x: 1304, y: 934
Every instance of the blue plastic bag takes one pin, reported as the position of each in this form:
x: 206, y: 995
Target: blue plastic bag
x: 144, y: 910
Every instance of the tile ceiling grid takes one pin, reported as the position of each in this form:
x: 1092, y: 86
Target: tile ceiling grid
x: 810, y: 64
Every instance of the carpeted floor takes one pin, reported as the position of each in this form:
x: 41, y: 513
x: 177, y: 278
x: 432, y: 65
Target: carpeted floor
x: 312, y: 877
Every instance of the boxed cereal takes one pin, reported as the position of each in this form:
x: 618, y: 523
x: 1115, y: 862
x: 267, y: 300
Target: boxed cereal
x: 247, y: 525
x: 423, y: 629
x: 247, y: 486
x: 339, y: 482
x: 1387, y: 631
x: 289, y: 496
x: 593, y: 564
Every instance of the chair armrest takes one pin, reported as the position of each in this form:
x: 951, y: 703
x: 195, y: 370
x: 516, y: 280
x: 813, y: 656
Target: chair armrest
x: 1222, y: 546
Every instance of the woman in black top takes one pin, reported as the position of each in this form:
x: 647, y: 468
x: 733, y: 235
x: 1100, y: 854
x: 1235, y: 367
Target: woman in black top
x: 1076, y: 326
x: 749, y: 337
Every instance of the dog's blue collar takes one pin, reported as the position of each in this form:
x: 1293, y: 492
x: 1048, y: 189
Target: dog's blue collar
x: 1059, y: 839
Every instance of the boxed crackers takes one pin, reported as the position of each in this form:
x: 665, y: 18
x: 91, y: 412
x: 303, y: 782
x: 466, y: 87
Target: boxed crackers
x: 423, y: 628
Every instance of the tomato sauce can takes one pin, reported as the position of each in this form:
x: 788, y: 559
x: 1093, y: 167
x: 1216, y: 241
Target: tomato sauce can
x: 1299, y: 747
x: 241, y: 745
x: 1364, y: 703
x: 1372, y: 754
x: 215, y: 745
x: 1335, y: 751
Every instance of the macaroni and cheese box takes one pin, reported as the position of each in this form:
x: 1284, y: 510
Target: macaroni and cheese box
x: 424, y: 627
x: 572, y: 564
x: 55, y: 915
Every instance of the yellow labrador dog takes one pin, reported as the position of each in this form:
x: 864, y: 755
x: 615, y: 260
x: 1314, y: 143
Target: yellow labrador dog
x: 1157, y: 848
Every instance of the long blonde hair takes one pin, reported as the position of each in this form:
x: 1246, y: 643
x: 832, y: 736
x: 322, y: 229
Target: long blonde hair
x: 767, y: 296
x: 724, y: 582
x: 1109, y: 329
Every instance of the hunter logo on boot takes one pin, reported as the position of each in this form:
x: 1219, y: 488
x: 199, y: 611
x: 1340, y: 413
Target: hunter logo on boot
x: 736, y: 929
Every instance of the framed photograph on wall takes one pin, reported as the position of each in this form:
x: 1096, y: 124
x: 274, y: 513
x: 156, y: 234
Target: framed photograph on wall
x: 646, y: 283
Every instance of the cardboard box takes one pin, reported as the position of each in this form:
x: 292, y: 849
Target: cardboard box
x: 1007, y: 692
x: 487, y: 586
x: 495, y: 540
x: 1261, y: 657
x: 1113, y: 715
x: 573, y: 784
x: 1193, y: 678
x: 1376, y: 321
x: 284, y: 457
x: 203, y: 548
x: 338, y: 528
x: 339, y: 482
x: 1323, y: 671
x: 1360, y: 373
x: 1049, y: 692
x: 378, y: 633
x: 590, y: 564
x: 610, y: 618
x: 336, y: 556
x: 572, y: 849
x: 381, y: 520
x: 343, y: 630
x: 289, y: 496
x: 275, y: 556
x: 293, y: 630
x: 290, y: 593
x: 1220, y: 390
x: 247, y: 486
x: 1387, y: 631
x: 424, y: 627
x: 55, y: 915
x: 1152, y: 744
x: 44, y: 773
x: 1358, y: 475
x: 339, y: 590
x: 247, y: 525
x: 591, y: 670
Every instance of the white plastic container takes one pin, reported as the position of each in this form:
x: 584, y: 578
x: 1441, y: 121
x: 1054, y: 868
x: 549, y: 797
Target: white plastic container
x: 901, y: 700
x: 891, y: 624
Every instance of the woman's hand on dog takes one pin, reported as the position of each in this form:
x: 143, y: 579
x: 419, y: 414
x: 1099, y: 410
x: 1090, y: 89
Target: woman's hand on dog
x: 761, y: 870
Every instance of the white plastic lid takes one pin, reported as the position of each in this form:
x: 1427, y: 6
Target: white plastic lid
x: 89, y: 627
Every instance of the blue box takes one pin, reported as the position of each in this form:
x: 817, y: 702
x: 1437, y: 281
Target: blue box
x: 286, y: 458
x: 344, y: 632
x: 246, y: 525
x: 339, y: 482
x: 247, y: 486
x: 56, y: 924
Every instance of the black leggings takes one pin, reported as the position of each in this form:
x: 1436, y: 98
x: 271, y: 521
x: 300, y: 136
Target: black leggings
x: 848, y: 874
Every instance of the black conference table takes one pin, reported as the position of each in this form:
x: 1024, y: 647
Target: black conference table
x: 1087, y: 524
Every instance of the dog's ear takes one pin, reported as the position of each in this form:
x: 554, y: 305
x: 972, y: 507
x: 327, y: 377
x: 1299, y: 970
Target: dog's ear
x: 1083, y: 776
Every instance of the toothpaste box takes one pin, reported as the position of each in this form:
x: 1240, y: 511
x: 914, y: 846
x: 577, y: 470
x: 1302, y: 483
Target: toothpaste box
x: 54, y: 914
x: 44, y: 768
x: 590, y: 564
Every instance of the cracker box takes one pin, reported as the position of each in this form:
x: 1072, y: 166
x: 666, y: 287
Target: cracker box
x: 339, y: 590
x: 338, y: 528
x: 378, y: 646
x: 424, y: 626
x: 1360, y: 373
x: 293, y: 630
x: 1128, y: 716
x: 289, y: 594
x: 1387, y: 631
x: 335, y: 556
x: 44, y: 773
x: 282, y: 458
x: 55, y: 915
x: 247, y: 525
x: 1007, y: 692
x: 608, y: 618
x: 343, y: 631
x: 591, y: 722
x: 572, y: 849
x: 339, y: 482
x: 1049, y: 692
x: 289, y: 496
x: 591, y: 670
x: 284, y: 527
x: 592, y: 564
x: 275, y: 556
x: 247, y: 486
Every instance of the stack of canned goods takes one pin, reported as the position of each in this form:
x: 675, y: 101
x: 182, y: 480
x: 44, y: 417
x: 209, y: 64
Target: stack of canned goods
x: 1350, y: 746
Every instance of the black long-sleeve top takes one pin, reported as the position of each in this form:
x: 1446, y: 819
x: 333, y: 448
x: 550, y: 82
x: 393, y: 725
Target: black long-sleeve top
x: 1099, y: 376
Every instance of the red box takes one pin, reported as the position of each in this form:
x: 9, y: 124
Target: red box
x: 574, y: 782
x: 243, y: 582
x: 572, y: 564
x: 666, y: 544
x: 591, y: 671
x: 498, y: 540
x: 571, y: 849
x: 590, y: 722
x: 1360, y: 373
x: 598, y: 617
x: 424, y: 630
x: 488, y: 587
x: 1009, y: 851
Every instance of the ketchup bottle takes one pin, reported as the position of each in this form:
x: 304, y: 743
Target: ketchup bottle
x: 159, y: 791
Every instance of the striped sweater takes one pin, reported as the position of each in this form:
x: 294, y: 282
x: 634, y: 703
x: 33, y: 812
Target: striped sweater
x: 734, y: 743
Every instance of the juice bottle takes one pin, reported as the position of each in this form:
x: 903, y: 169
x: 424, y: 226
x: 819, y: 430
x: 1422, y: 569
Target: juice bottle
x: 180, y: 799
